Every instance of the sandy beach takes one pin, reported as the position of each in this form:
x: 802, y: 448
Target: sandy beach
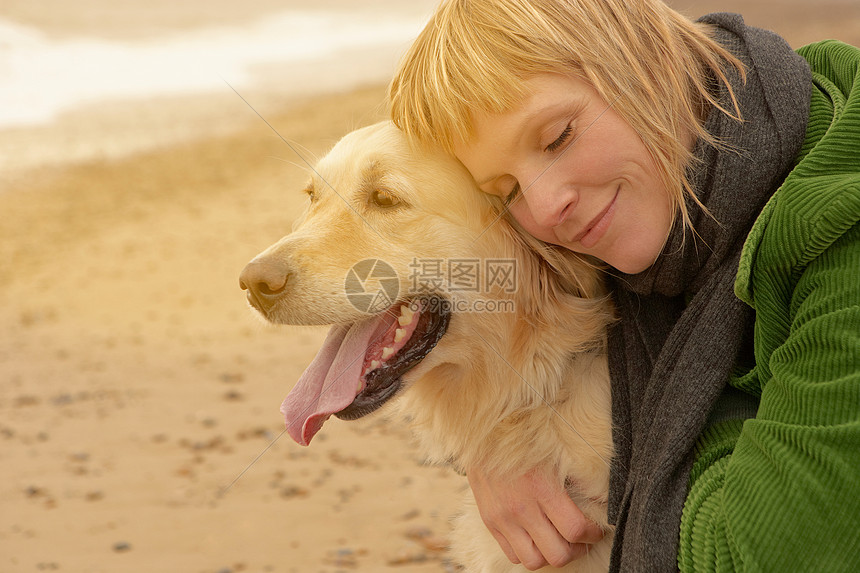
x: 139, y: 423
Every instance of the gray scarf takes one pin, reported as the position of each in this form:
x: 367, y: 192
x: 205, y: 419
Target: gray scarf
x: 681, y: 329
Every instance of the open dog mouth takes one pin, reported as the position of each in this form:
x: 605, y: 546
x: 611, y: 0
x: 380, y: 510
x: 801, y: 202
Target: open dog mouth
x: 360, y: 365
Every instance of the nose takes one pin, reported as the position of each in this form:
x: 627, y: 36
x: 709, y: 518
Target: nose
x: 549, y: 203
x: 265, y: 280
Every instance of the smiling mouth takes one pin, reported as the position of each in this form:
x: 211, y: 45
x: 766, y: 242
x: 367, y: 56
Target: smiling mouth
x: 592, y: 232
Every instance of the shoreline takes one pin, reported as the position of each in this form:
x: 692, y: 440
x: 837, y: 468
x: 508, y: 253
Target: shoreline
x: 125, y: 20
x: 117, y: 130
x: 125, y: 77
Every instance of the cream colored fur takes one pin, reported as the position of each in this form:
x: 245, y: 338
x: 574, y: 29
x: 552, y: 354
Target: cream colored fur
x: 513, y: 391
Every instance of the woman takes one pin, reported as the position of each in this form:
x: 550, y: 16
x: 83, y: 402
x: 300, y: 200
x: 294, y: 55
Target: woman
x: 716, y: 173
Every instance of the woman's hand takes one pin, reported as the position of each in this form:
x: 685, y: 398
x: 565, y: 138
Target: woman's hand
x: 533, y: 519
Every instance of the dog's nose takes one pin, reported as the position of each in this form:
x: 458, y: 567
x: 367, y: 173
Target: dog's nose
x: 265, y: 280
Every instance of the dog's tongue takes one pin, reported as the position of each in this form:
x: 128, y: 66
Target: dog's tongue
x: 332, y: 380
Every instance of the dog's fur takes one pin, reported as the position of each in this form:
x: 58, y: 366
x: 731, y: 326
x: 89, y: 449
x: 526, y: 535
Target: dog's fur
x: 512, y: 391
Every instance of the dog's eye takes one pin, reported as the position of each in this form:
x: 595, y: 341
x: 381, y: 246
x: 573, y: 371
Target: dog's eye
x: 382, y: 198
x: 309, y: 190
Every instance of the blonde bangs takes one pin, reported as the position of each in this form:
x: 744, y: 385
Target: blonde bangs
x: 450, y: 72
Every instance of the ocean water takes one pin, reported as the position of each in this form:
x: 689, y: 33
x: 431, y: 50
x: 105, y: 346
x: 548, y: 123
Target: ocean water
x: 43, y: 77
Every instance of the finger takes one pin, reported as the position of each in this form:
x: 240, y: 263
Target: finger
x: 505, y: 546
x: 527, y: 552
x: 580, y: 550
x: 554, y: 549
x: 519, y: 548
x: 575, y: 527
x: 570, y: 522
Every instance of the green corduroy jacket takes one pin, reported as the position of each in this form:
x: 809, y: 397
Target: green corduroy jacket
x: 781, y: 492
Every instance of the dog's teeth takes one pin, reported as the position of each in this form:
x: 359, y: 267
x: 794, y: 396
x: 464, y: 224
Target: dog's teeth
x: 375, y: 364
x: 406, y: 314
x: 360, y: 385
x: 399, y: 334
x: 387, y: 352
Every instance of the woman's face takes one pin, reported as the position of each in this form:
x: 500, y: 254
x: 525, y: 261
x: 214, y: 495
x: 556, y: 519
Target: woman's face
x: 573, y: 173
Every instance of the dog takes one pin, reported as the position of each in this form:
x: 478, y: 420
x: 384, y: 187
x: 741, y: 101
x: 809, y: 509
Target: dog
x: 513, y: 377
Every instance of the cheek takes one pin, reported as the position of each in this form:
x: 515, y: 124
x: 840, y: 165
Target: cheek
x: 520, y: 211
x: 645, y: 235
x: 604, y: 165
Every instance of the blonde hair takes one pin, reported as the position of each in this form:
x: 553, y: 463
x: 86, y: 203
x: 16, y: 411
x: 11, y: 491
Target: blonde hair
x: 656, y: 68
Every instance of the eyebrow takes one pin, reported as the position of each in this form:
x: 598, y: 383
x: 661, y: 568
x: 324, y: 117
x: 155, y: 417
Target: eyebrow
x: 372, y: 174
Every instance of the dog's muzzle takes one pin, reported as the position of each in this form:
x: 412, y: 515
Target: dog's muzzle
x: 265, y: 279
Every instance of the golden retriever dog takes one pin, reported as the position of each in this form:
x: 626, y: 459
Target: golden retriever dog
x: 493, y: 343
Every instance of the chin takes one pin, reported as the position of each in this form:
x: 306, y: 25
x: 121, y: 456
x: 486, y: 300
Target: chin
x: 631, y: 265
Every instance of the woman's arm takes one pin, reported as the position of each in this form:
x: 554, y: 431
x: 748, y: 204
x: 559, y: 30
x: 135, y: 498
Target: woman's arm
x: 781, y: 492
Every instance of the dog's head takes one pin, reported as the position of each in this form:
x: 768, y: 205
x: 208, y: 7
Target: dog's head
x: 372, y: 198
x: 394, y: 239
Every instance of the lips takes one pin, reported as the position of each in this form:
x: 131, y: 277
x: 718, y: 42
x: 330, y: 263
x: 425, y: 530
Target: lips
x: 594, y: 230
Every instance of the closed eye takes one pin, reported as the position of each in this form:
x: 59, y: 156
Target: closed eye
x: 512, y: 195
x: 555, y: 145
